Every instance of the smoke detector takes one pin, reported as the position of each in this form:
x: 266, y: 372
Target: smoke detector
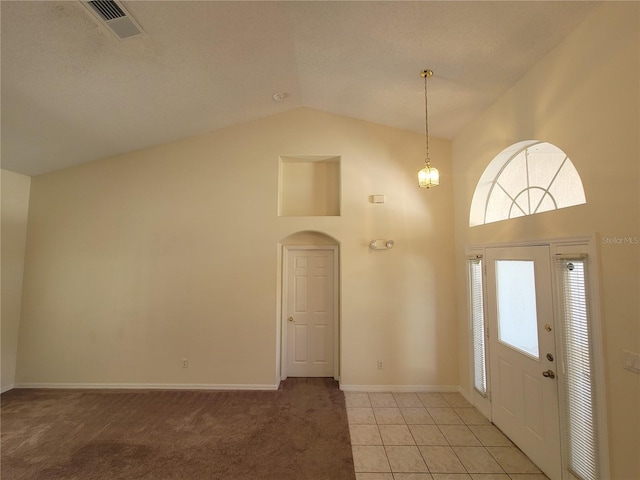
x: 114, y: 16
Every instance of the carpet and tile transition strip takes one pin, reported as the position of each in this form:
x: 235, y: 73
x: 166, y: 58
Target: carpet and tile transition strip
x: 297, y: 432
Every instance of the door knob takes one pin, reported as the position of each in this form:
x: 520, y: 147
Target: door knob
x: 290, y: 319
x: 549, y: 374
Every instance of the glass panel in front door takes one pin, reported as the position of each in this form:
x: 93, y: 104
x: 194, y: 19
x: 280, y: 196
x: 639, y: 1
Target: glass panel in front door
x: 516, y: 302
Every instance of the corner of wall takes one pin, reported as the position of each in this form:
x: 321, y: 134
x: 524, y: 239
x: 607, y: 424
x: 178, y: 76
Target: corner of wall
x: 15, y: 191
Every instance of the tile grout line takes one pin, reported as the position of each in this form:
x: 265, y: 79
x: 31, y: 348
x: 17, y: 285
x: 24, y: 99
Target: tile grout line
x: 438, y: 426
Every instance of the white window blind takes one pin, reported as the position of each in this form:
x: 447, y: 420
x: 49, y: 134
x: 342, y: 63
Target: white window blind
x: 577, y: 386
x: 477, y: 325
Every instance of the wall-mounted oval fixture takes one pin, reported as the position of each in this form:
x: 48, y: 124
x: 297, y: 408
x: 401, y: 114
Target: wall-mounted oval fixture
x: 381, y: 244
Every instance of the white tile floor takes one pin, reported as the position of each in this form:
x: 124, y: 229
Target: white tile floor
x: 429, y: 436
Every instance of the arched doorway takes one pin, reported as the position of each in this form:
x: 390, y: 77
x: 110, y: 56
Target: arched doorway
x: 309, y: 322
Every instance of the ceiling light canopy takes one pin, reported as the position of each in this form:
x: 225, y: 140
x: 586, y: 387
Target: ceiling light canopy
x: 429, y: 176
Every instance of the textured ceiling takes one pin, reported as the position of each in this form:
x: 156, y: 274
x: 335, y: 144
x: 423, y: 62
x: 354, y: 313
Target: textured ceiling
x: 73, y: 93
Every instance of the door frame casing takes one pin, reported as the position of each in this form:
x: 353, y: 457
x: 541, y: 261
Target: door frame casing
x: 588, y: 244
x: 286, y: 255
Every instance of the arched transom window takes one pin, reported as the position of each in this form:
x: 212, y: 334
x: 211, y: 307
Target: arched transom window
x: 527, y: 178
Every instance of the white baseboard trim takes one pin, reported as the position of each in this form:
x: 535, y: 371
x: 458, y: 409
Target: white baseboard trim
x: 401, y: 388
x: 468, y: 397
x: 7, y: 388
x: 150, y: 386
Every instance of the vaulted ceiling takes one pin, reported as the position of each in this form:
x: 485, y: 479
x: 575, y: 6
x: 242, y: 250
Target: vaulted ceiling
x: 72, y: 92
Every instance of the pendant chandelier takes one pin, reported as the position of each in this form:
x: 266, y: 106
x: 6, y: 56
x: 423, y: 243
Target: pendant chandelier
x: 429, y: 176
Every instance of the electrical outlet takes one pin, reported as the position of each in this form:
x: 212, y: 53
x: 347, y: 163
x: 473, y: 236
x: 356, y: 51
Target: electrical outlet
x: 380, y: 365
x: 185, y: 363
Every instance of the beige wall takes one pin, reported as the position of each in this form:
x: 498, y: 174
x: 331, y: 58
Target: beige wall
x: 15, y: 208
x: 584, y: 98
x: 138, y: 261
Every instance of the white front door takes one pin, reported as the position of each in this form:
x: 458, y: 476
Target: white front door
x: 524, y: 390
x: 309, y: 312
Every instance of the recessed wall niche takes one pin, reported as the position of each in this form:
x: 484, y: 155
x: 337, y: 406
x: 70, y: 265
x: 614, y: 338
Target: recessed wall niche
x: 309, y: 185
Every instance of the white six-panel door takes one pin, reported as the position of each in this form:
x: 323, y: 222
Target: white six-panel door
x: 309, y: 312
x: 524, y: 401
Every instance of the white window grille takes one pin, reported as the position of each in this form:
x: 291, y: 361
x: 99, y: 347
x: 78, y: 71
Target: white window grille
x: 525, y: 179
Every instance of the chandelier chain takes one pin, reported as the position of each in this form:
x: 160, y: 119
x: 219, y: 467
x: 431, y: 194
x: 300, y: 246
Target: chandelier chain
x: 426, y: 121
x: 429, y: 176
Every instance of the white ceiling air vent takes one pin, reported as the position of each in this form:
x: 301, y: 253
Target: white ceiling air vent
x: 115, y: 17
